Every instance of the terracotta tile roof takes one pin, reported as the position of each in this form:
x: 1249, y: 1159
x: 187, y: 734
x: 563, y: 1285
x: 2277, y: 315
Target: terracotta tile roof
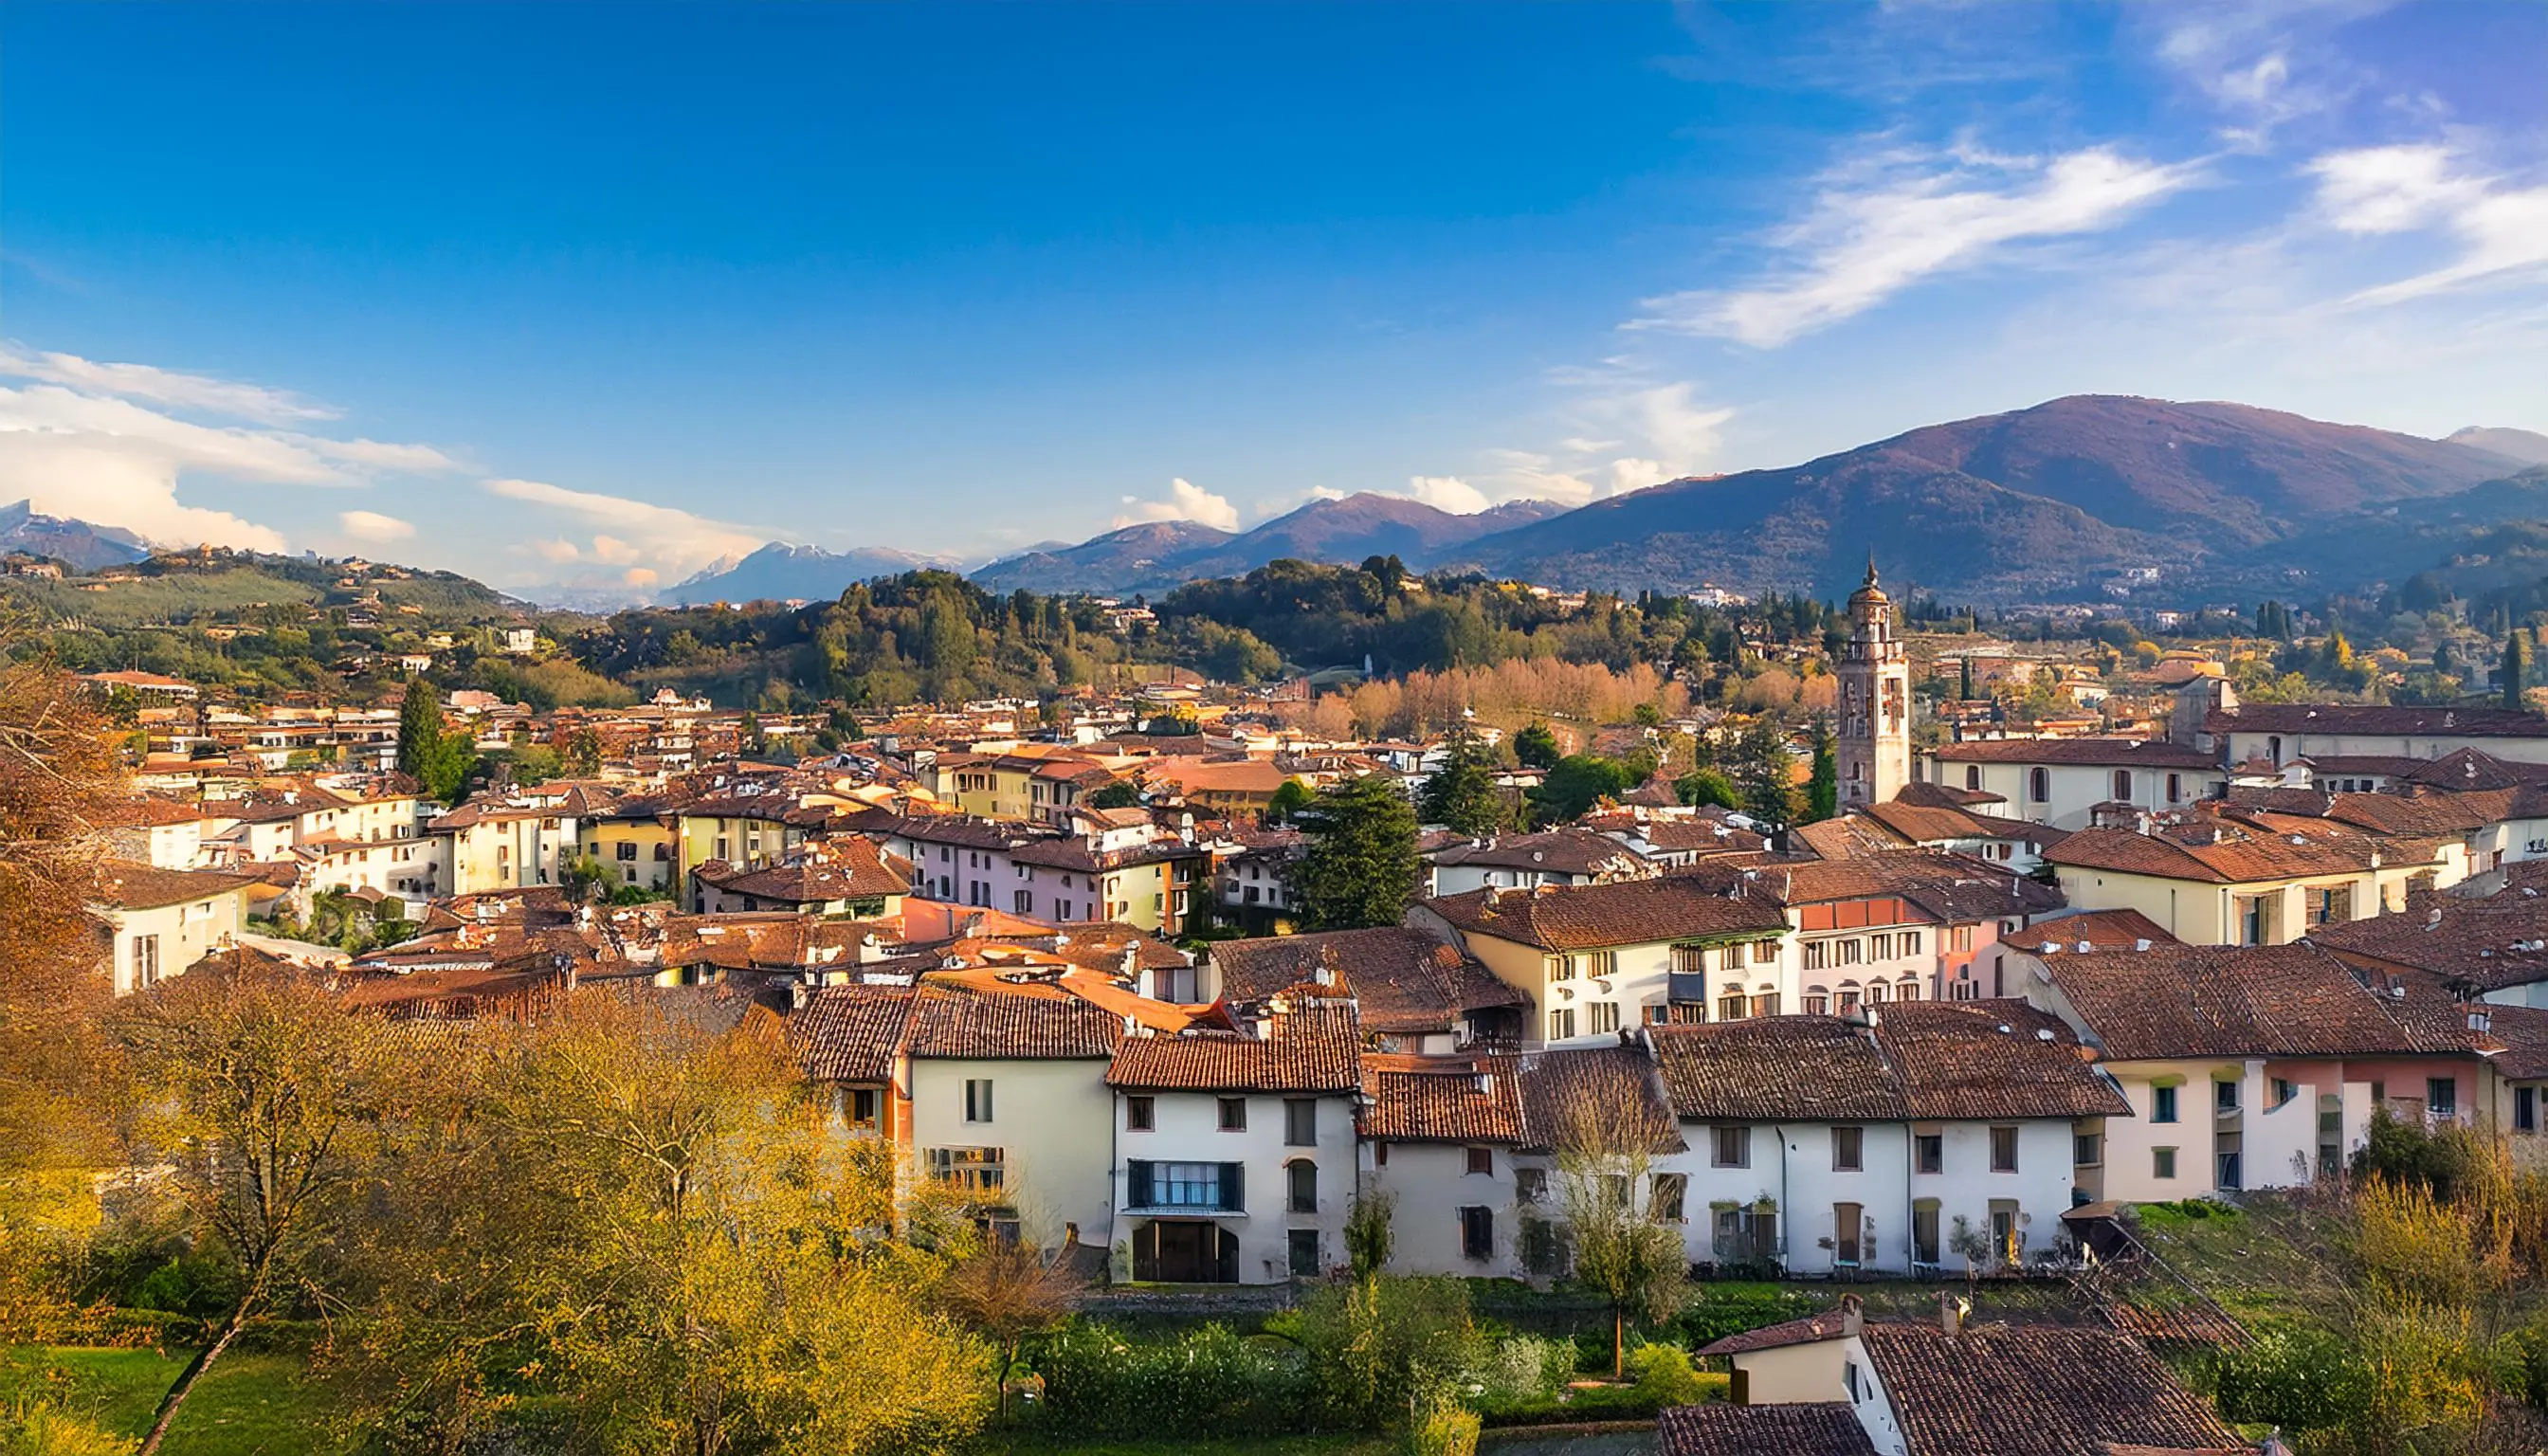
x: 1812, y: 1329
x: 2466, y: 768
x: 846, y: 868
x: 1802, y: 1067
x: 2480, y: 944
x: 1943, y: 886
x: 1401, y: 979
x: 1946, y: 796
x: 851, y: 1033
x: 2036, y: 1390
x: 1311, y: 1049
x: 2102, y: 753
x: 1922, y: 1060
x: 1621, y: 913
x: 1029, y: 1023
x: 2247, y: 848
x: 1556, y: 852
x: 2376, y: 720
x: 2092, y: 929
x: 1822, y: 1429
x: 2423, y: 812
x: 130, y: 885
x: 2174, y: 1001
x: 2522, y: 1032
x: 1481, y: 1105
x: 1847, y: 836
x: 1618, y: 1086
x: 2381, y: 765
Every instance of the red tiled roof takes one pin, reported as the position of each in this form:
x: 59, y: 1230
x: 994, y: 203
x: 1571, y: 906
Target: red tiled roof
x: 2175, y: 1001
x: 2091, y: 930
x: 1820, y: 1429
x: 1922, y: 1060
x: 1311, y: 1049
x: 1615, y: 1086
x: 851, y: 1033
x: 131, y: 885
x: 1621, y: 913
x: 1029, y: 1023
x: 2036, y: 1390
x: 1481, y: 1105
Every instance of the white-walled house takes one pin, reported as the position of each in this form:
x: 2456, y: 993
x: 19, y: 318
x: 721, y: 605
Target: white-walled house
x: 1823, y: 1145
x: 2250, y: 1067
x: 158, y: 922
x: 1235, y: 1150
x: 1008, y: 1102
x: 1441, y: 1141
x: 2062, y: 781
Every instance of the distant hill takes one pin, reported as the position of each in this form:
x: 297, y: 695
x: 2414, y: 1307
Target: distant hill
x: 782, y: 573
x: 1158, y: 556
x: 2052, y: 503
x: 76, y: 543
x: 2527, y: 446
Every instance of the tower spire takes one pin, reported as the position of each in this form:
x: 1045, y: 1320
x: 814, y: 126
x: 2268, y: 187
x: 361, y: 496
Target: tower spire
x: 1871, y: 566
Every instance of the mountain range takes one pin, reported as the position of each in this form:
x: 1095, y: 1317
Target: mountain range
x: 74, y: 543
x: 780, y: 571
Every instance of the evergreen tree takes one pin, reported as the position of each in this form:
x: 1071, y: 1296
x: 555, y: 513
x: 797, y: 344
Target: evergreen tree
x: 2517, y: 667
x: 419, y: 728
x: 1822, y: 795
x: 1361, y: 867
x: 1290, y: 797
x: 1462, y: 795
x: 1703, y: 786
x: 1964, y: 680
x: 1535, y: 746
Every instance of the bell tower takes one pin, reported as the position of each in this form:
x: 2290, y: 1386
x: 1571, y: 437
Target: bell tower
x: 1874, y: 737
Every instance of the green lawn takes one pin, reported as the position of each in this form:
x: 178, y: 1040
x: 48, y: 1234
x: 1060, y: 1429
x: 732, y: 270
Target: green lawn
x: 249, y: 1405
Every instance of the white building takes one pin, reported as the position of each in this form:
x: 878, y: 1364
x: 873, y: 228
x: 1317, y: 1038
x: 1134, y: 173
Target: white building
x: 159, y: 922
x: 1008, y: 1103
x: 2063, y: 782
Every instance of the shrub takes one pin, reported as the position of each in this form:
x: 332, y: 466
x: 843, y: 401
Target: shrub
x: 2302, y: 1380
x: 1527, y: 1368
x: 1381, y: 1351
x: 1447, y: 1431
x: 44, y: 1432
x: 1720, y: 1310
x: 1664, y: 1374
x: 1211, y: 1382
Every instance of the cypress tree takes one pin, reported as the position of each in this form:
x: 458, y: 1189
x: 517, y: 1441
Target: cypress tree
x: 420, y: 729
x: 1964, y: 680
x: 2517, y: 668
x: 1822, y: 793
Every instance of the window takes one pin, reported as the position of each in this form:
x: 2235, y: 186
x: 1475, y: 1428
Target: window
x: 1561, y: 1024
x: 1849, y: 952
x: 2228, y: 1172
x: 1733, y: 1147
x: 1023, y: 900
x: 1924, y: 1231
x: 1849, y: 1149
x: 1875, y: 991
x: 1972, y: 775
x: 626, y: 849
x: 2442, y: 1096
x: 1530, y: 1185
x: 1766, y: 1004
x: 1300, y: 1176
x: 1817, y: 1002
x: 2331, y: 903
x: 2176, y: 788
x: 1765, y: 952
x: 977, y: 1099
x: 1185, y: 1185
x: 2164, y: 1162
x: 1731, y: 1008
x: 145, y: 961
x: 1847, y: 1220
x: 1605, y: 962
x: 2284, y: 1091
x: 1664, y: 1202
x: 1929, y: 1152
x: 1910, y: 942
x: 973, y: 1170
x: 1140, y: 1113
x: 2124, y: 784
x: 2087, y: 1150
x: 2162, y: 1104
x: 1879, y: 948
x: 1477, y: 1233
x: 2038, y: 785
x: 1482, y: 1160
x: 862, y: 1104
x: 1234, y: 1114
x: 1817, y: 955
x: 1848, y: 1380
x: 1604, y: 1016
x: 1299, y: 1122
x: 1561, y: 968
x: 2224, y: 1096
x: 2003, y: 1149
x: 2525, y: 1109
x: 1303, y: 1250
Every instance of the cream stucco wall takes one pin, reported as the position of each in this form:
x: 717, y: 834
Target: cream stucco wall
x: 1053, y: 1120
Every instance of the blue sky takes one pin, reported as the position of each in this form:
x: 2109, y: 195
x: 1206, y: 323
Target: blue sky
x: 579, y: 298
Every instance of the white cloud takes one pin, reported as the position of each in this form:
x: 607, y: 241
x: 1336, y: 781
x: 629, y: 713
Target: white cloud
x: 98, y: 441
x: 1186, y: 501
x: 2389, y: 189
x: 2502, y: 230
x: 1272, y: 506
x: 1447, y: 493
x: 195, y: 392
x: 372, y: 526
x: 2263, y: 63
x: 669, y: 539
x: 1867, y: 240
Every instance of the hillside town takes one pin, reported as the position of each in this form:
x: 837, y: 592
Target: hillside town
x: 1074, y: 959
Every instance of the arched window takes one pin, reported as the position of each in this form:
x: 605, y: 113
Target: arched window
x: 2038, y: 785
x: 1303, y: 1175
x: 1817, y: 1001
x: 1972, y: 775
x: 2124, y: 785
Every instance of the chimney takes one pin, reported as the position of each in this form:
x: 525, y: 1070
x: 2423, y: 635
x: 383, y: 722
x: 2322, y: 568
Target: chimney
x: 1952, y: 1311
x: 1853, y: 1313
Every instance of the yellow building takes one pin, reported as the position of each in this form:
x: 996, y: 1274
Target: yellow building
x: 634, y: 844
x: 2252, y: 878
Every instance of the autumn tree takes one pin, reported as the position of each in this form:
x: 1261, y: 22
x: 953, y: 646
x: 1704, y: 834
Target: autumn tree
x: 1362, y: 867
x: 271, y: 1101
x: 640, y: 1219
x: 1009, y: 1291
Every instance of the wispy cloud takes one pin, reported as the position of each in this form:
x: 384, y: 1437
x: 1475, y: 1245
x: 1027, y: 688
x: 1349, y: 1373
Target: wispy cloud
x: 1874, y: 233
x: 1185, y: 501
x: 2261, y: 65
x: 111, y: 443
x: 199, y: 392
x: 2501, y: 231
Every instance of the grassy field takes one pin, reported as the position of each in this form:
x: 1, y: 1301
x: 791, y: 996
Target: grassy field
x: 251, y: 1405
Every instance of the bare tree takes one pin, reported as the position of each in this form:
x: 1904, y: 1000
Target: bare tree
x: 1621, y: 1249
x: 1008, y: 1290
